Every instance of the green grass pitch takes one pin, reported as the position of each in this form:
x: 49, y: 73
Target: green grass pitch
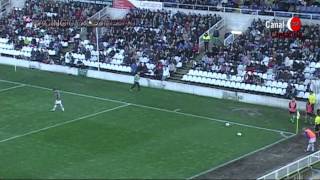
x: 109, y: 132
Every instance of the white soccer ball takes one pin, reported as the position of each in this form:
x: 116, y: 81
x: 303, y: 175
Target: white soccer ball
x: 239, y: 134
x: 227, y: 124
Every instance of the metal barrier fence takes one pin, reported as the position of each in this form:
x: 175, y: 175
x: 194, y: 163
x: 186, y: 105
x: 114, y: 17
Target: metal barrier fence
x: 210, y: 31
x: 104, y: 2
x: 228, y: 40
x: 100, y: 14
x: 4, y: 7
x: 242, y: 10
x: 293, y: 167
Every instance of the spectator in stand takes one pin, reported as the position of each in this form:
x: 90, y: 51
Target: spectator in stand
x: 19, y: 27
x: 206, y: 39
x: 255, y: 50
x: 263, y: 6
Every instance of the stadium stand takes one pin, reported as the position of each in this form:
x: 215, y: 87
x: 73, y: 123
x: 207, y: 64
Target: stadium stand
x: 152, y: 42
x: 158, y: 42
x: 263, y: 5
x: 20, y: 38
x: 257, y: 62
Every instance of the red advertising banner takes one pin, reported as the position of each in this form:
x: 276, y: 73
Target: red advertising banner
x: 123, y: 4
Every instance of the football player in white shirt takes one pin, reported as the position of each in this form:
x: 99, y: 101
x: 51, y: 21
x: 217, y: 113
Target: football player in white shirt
x: 58, y: 101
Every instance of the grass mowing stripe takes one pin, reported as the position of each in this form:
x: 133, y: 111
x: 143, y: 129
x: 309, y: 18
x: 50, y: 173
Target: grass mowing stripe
x: 10, y: 88
x: 213, y: 119
x: 63, y: 123
x: 154, y: 108
x: 240, y: 157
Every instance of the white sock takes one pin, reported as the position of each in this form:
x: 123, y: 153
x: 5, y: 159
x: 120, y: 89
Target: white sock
x: 309, y: 147
x: 61, y: 106
x: 54, y: 107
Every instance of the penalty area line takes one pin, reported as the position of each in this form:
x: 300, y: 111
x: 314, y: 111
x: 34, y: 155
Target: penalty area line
x: 11, y: 88
x: 63, y: 123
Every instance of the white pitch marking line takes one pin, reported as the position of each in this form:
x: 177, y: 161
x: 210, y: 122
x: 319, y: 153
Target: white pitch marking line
x: 176, y: 110
x: 155, y: 108
x: 10, y: 88
x: 238, y: 158
x: 63, y: 123
x: 284, y: 135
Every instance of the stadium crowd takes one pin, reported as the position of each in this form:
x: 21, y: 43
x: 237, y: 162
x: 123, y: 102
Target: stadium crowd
x: 156, y: 43
x: 302, y: 6
x: 20, y: 29
x: 153, y: 42
x: 257, y: 51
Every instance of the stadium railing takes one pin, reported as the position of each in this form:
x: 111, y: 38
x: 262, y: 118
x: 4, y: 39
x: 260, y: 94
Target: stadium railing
x: 293, y: 167
x: 242, y: 10
x: 220, y: 24
x: 105, y: 2
x: 228, y: 40
x: 3, y: 7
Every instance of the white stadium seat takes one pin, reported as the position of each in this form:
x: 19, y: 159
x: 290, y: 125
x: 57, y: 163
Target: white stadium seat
x: 242, y: 85
x: 237, y: 85
x: 274, y: 90
x: 264, y: 89
x: 227, y: 84
x: 193, y: 78
x: 239, y: 79
x: 198, y: 79
x: 196, y: 73
x: 264, y: 76
x: 247, y: 86
x: 224, y: 76
x: 201, y: 73
x: 279, y: 84
x: 219, y: 76
x: 214, y: 75
x: 218, y: 82
x: 269, y: 90
x: 284, y: 85
x: 205, y: 74
x: 301, y: 88
x: 233, y: 78
x: 212, y: 81
x: 300, y: 94
x: 259, y: 88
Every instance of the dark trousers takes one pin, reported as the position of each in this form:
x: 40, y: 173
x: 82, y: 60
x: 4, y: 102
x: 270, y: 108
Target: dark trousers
x: 206, y: 46
x: 134, y: 85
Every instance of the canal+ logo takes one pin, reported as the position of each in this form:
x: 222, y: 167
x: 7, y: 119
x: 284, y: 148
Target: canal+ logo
x: 293, y: 25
